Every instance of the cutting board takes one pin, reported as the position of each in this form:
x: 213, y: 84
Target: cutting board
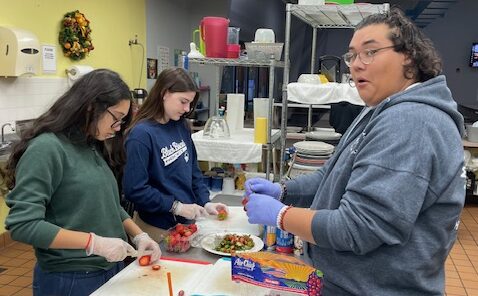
x: 236, y: 222
x: 217, y: 282
x: 143, y: 281
x: 193, y: 277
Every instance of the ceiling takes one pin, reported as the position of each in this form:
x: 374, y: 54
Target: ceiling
x: 422, y: 12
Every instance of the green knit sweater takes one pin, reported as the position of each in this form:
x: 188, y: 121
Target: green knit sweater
x: 63, y: 185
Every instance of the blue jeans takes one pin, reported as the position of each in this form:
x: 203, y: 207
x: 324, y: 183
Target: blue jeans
x: 75, y: 283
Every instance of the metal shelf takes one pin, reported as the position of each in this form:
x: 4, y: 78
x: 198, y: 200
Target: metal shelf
x: 319, y: 17
x: 271, y: 64
x: 237, y: 62
x: 336, y: 16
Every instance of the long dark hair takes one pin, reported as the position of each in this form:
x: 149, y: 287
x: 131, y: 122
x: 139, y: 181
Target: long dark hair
x: 77, y: 112
x: 172, y: 80
x: 425, y: 63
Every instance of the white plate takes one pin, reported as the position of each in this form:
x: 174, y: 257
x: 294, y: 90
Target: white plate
x: 319, y: 135
x: 210, y: 241
x: 313, y: 146
x: 305, y: 167
x: 324, y: 129
x: 293, y: 129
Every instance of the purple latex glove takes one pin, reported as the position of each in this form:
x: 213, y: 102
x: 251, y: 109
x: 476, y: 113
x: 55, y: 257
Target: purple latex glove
x: 263, y: 209
x: 263, y: 186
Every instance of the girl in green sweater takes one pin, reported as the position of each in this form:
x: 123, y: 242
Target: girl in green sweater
x: 64, y: 198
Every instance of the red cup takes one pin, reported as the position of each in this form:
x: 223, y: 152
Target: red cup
x: 233, y: 51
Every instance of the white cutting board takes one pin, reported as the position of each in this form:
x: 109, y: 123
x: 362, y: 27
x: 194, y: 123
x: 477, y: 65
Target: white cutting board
x: 217, y: 282
x: 143, y: 281
x: 236, y: 222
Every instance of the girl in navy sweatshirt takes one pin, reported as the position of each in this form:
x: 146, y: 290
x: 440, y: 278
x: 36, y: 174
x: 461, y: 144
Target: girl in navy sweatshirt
x: 162, y: 176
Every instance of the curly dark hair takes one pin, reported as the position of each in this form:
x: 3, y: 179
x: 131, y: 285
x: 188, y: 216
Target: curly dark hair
x: 77, y: 112
x: 407, y: 38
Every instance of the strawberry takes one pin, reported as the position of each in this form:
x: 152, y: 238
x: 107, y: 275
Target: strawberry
x: 180, y: 228
x: 221, y: 215
x: 187, y: 233
x: 144, y: 260
x: 171, y: 240
x: 155, y: 267
x: 244, y: 202
x: 193, y: 228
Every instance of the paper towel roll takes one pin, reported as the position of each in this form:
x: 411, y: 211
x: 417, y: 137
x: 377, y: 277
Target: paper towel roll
x: 260, y: 130
x: 75, y: 72
x: 235, y: 112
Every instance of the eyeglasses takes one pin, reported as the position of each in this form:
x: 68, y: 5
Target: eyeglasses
x: 117, y: 122
x: 365, y: 56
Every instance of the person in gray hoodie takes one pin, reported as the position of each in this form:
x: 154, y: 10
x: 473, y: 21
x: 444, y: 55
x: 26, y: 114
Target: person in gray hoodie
x: 381, y: 216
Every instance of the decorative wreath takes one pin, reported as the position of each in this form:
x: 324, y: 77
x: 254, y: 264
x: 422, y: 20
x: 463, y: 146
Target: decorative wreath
x: 75, y: 35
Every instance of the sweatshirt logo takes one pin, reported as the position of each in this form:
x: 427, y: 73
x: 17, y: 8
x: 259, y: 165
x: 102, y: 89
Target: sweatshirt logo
x: 173, y: 152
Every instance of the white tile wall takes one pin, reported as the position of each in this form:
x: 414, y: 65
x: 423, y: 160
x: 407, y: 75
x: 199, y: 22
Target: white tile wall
x: 28, y: 97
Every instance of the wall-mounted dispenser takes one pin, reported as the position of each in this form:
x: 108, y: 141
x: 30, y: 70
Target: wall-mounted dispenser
x: 19, y: 52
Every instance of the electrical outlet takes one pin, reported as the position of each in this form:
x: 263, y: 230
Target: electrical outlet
x: 133, y: 41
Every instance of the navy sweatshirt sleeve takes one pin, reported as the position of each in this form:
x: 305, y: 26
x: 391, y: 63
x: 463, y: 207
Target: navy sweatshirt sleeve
x: 199, y: 188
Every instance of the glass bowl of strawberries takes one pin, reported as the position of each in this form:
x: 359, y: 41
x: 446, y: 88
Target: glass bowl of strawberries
x: 179, y: 237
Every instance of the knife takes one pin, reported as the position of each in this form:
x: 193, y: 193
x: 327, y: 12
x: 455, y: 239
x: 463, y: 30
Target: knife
x: 135, y: 253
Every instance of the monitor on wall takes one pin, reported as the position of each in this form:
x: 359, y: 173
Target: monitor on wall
x: 474, y: 55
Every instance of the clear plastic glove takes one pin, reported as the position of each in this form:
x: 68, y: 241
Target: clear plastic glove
x: 263, y: 209
x: 263, y: 186
x: 112, y: 248
x: 190, y: 211
x: 144, y: 242
x: 212, y: 208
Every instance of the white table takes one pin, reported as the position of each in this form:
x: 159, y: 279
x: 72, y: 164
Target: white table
x: 240, y: 148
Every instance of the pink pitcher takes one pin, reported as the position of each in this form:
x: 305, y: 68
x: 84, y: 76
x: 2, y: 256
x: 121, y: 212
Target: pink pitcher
x: 214, y: 33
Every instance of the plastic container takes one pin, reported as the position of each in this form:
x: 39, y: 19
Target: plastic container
x: 472, y: 134
x: 214, y: 34
x: 216, y: 183
x: 264, y: 35
x: 269, y: 237
x: 263, y: 51
x: 233, y: 35
x: 199, y: 41
x: 179, y: 237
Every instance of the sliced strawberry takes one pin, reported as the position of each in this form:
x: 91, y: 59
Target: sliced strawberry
x: 144, y: 260
x: 155, y: 267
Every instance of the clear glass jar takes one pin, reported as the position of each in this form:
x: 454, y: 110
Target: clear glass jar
x: 216, y: 127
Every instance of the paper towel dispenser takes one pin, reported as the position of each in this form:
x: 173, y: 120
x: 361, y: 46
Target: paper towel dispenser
x: 19, y: 52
